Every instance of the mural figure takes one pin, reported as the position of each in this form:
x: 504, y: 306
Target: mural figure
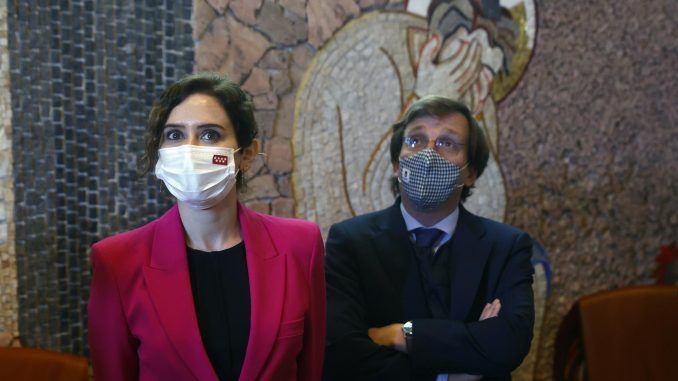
x: 373, y: 68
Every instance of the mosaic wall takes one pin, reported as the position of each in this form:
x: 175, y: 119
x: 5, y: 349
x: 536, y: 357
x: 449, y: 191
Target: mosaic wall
x: 591, y: 152
x: 584, y: 144
x: 342, y: 129
x: 267, y: 46
x: 84, y: 74
x: 8, y: 300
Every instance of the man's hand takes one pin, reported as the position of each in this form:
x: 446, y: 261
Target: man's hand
x: 491, y: 310
x: 392, y: 336
x: 389, y: 336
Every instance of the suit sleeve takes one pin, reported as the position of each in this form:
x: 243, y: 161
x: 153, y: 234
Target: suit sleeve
x: 350, y: 353
x: 112, y: 346
x: 311, y: 360
x: 490, y: 347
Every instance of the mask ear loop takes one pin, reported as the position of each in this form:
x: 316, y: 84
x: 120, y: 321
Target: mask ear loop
x: 264, y: 155
x: 258, y: 153
x: 459, y: 186
x: 237, y: 170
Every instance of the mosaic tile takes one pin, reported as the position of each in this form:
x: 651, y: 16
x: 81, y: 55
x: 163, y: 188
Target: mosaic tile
x: 79, y: 118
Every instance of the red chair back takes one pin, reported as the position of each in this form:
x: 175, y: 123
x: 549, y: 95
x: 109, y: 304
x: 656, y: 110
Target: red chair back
x: 29, y: 364
x: 624, y: 334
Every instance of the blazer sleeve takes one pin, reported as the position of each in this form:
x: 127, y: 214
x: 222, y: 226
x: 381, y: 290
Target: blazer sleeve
x: 311, y: 360
x: 492, y: 347
x: 350, y: 353
x: 112, y: 346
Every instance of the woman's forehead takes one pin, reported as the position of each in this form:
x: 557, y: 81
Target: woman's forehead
x: 198, y: 108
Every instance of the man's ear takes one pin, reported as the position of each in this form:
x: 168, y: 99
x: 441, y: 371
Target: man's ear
x: 396, y: 168
x: 471, y: 177
x: 248, y: 155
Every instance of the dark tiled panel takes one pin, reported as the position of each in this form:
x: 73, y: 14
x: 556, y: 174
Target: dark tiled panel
x: 84, y: 75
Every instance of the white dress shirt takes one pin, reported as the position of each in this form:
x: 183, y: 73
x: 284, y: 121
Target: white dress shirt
x: 447, y: 225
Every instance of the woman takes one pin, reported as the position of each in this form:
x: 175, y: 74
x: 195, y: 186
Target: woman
x: 211, y: 290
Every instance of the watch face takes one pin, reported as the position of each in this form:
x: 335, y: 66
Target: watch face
x: 407, y: 328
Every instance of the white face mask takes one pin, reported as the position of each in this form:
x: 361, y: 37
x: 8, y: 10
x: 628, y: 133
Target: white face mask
x: 199, y: 176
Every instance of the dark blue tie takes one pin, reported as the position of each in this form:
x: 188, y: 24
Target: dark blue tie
x: 426, y: 238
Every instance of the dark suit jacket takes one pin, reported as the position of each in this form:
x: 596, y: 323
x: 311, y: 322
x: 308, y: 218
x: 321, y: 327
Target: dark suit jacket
x: 368, y: 262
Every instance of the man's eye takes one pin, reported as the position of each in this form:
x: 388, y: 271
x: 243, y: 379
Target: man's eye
x: 173, y: 135
x: 414, y: 140
x: 445, y: 143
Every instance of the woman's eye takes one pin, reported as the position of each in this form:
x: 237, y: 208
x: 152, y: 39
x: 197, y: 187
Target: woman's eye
x: 173, y: 135
x: 210, y: 135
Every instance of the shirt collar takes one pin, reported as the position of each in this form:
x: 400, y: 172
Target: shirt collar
x: 447, y: 224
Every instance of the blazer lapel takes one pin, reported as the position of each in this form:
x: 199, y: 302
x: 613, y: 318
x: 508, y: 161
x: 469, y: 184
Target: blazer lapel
x: 169, y: 286
x: 266, y: 269
x: 469, y: 254
x: 393, y: 246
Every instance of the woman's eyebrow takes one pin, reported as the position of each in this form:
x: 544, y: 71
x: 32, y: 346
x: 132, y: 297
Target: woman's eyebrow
x: 211, y: 125
x: 202, y: 126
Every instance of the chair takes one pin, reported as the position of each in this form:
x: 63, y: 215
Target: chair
x: 29, y: 364
x: 623, y: 334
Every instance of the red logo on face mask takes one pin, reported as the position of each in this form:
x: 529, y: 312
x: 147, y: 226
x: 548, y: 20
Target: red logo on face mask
x: 220, y: 159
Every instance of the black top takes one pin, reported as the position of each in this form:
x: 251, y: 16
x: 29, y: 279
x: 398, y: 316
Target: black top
x: 221, y: 294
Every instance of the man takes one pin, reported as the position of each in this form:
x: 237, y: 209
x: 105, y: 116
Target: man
x: 425, y: 290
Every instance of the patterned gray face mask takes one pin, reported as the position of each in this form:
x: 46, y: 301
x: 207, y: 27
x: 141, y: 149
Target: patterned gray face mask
x: 428, y: 179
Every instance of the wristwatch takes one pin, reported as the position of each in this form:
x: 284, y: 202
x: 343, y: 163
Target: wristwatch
x: 407, y: 331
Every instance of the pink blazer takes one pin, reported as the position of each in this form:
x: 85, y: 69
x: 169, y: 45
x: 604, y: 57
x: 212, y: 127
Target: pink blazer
x: 142, y: 322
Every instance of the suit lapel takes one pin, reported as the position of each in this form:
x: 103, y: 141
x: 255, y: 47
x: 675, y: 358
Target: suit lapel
x: 393, y: 246
x: 169, y: 287
x: 469, y: 255
x: 266, y: 269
